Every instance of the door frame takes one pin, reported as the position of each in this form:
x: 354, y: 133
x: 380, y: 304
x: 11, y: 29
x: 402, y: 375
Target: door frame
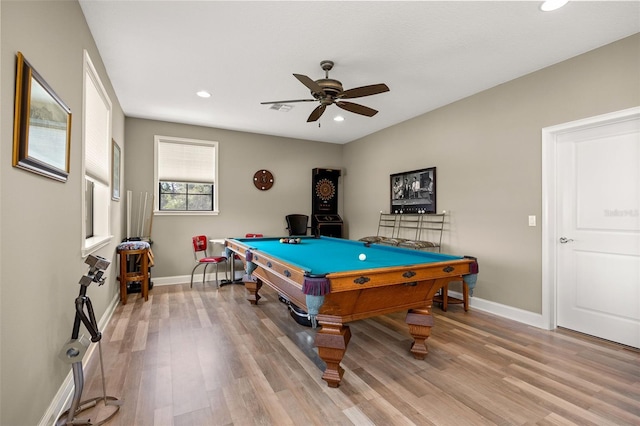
x: 549, y: 202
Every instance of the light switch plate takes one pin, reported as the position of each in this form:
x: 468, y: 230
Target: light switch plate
x: 532, y: 220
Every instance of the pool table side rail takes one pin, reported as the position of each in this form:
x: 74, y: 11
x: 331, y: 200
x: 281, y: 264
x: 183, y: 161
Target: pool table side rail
x: 365, y: 278
x: 368, y: 278
x: 294, y: 273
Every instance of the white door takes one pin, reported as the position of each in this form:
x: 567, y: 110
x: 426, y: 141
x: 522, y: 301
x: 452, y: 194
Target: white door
x: 598, y: 230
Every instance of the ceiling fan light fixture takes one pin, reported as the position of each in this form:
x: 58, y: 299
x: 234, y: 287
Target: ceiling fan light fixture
x: 551, y: 5
x: 203, y: 94
x: 338, y: 118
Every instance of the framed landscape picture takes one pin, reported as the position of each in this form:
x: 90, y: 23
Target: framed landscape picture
x: 42, y: 125
x: 414, y: 191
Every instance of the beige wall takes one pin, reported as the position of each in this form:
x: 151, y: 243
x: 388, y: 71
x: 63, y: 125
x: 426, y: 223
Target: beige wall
x: 243, y: 208
x: 487, y: 150
x: 41, y: 218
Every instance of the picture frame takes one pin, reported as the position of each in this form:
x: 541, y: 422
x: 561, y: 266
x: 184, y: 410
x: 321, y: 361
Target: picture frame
x: 42, y: 125
x: 413, y: 191
x: 116, y: 166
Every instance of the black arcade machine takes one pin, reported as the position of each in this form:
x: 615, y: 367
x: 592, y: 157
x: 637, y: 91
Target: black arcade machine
x: 325, y: 219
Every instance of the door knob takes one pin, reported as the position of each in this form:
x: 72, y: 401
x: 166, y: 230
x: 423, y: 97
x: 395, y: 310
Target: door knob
x: 564, y: 240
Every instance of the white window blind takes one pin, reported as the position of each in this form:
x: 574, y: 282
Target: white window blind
x: 96, y: 128
x: 186, y: 162
x: 96, y: 133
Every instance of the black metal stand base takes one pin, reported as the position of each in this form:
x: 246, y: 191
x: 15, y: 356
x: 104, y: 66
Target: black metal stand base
x: 85, y: 405
x: 227, y: 282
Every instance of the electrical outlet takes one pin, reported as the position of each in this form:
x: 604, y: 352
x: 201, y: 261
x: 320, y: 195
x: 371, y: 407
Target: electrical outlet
x: 532, y: 220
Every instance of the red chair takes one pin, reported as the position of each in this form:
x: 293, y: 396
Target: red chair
x: 200, y: 249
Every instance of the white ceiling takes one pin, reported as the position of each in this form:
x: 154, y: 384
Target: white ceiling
x: 430, y: 53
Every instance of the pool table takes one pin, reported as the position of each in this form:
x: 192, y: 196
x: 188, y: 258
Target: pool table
x: 326, y: 277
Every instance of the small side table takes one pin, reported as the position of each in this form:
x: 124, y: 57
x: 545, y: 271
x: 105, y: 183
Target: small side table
x: 231, y: 262
x: 138, y: 274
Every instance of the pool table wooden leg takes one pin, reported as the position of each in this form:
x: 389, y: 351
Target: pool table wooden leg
x: 420, y: 322
x: 253, y: 287
x: 332, y: 341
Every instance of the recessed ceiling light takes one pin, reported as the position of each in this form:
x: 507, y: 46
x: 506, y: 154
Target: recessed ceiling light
x: 338, y: 118
x: 203, y: 94
x: 551, y: 5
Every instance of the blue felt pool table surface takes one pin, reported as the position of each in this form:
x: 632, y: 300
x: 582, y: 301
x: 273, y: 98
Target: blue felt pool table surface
x: 325, y: 255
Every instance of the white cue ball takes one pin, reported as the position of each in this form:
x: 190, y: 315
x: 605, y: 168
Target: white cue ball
x: 362, y: 256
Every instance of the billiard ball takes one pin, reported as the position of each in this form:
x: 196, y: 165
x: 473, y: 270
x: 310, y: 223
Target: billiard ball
x: 362, y: 256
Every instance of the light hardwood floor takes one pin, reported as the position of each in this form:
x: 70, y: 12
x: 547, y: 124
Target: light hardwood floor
x: 204, y: 356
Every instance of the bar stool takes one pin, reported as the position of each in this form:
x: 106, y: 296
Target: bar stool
x: 468, y: 284
x: 141, y: 274
x: 444, y: 299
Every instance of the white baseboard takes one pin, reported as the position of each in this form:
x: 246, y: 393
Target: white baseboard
x: 182, y: 279
x: 179, y: 279
x: 509, y: 312
x: 62, y: 400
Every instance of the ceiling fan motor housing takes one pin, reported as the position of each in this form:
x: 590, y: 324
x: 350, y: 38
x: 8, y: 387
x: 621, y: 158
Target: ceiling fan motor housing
x: 330, y: 86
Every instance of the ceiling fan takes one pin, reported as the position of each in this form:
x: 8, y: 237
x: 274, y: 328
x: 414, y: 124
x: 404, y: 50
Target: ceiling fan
x: 328, y: 91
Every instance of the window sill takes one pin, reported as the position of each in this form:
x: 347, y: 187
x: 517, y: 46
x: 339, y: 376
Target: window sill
x: 184, y: 213
x: 94, y: 244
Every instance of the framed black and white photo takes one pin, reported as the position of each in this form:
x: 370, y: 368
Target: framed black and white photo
x: 414, y: 191
x: 42, y: 125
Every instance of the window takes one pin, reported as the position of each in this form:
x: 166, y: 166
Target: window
x: 186, y: 196
x: 96, y: 161
x: 186, y: 172
x: 88, y: 205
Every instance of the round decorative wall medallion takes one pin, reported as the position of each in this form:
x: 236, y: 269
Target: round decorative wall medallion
x: 263, y: 180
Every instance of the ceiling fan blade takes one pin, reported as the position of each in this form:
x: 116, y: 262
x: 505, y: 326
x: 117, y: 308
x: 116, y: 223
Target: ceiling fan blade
x: 289, y: 101
x: 357, y: 108
x: 312, y: 85
x: 317, y: 113
x: 359, y: 92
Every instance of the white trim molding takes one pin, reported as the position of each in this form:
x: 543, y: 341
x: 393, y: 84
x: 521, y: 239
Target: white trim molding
x: 550, y: 137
